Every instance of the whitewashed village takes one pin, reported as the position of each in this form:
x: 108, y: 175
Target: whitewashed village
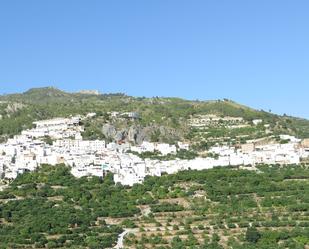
x: 28, y: 150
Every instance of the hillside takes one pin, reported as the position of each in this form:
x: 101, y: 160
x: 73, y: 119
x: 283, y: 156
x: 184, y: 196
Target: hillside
x: 249, y: 206
x: 38, y: 95
x: 217, y: 208
x: 168, y: 116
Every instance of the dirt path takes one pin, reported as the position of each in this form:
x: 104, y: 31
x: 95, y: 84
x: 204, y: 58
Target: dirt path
x: 121, y: 236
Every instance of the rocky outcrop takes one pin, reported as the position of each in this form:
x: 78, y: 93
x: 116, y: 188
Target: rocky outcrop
x: 89, y: 92
x: 14, y: 107
x: 136, y: 134
x: 109, y: 131
x: 133, y: 134
x: 120, y: 135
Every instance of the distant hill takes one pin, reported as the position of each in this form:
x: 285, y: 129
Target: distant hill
x: 38, y: 95
x: 48, y: 102
x: 45, y: 92
x: 52, y: 94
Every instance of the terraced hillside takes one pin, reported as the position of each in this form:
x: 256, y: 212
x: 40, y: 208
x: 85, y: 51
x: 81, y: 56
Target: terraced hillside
x: 226, y: 208
x: 52, y: 208
x: 264, y: 207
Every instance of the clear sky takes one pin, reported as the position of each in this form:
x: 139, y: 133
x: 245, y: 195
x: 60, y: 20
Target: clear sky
x: 254, y: 52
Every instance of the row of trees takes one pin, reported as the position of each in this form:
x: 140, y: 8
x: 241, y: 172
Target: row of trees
x: 50, y: 201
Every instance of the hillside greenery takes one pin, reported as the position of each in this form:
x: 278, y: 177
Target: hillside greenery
x: 51, y: 208
x: 44, y: 103
x: 217, y: 208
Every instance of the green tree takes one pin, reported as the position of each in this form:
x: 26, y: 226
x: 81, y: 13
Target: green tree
x: 252, y: 235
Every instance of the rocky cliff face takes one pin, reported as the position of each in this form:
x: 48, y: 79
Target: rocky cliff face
x: 14, y: 107
x: 136, y: 134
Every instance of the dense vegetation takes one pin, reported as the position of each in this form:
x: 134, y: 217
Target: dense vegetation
x: 227, y: 208
x: 218, y: 208
x: 52, y: 208
x: 18, y: 111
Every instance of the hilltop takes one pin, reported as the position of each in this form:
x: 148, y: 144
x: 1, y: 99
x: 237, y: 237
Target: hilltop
x: 38, y: 95
x: 165, y: 115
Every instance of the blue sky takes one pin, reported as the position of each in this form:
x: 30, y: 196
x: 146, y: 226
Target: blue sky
x: 254, y: 52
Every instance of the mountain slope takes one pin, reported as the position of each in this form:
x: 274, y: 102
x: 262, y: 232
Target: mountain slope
x: 48, y: 102
x: 39, y: 95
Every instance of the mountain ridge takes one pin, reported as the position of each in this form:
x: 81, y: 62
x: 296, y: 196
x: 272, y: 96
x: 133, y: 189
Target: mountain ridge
x: 18, y: 111
x: 43, y: 94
